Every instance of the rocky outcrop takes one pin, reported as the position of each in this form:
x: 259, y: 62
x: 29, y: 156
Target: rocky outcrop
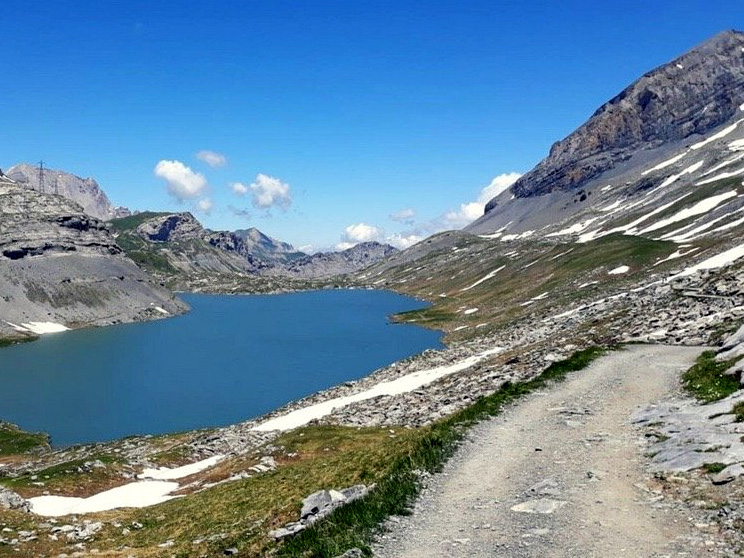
x: 320, y: 505
x: 84, y: 191
x: 266, y: 248
x: 177, y: 226
x: 688, y: 97
x: 60, y: 265
x: 327, y: 264
x: 9, y: 500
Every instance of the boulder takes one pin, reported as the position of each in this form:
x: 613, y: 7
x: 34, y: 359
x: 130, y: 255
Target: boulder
x: 9, y: 500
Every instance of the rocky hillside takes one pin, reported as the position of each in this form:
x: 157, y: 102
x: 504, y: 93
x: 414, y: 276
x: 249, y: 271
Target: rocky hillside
x: 84, y: 191
x: 61, y: 268
x: 266, y: 248
x: 329, y: 264
x: 666, y: 202
x: 177, y: 246
x: 687, y: 98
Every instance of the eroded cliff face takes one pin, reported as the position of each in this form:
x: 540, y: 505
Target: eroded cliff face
x: 686, y: 98
x: 59, y: 265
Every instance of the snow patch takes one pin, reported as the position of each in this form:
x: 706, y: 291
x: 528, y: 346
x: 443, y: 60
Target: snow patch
x: 675, y: 255
x: 720, y: 177
x: 703, y: 206
x: 722, y: 134
x: 42, y: 328
x: 720, y: 260
x: 405, y: 384
x: 619, y: 270
x: 484, y: 278
x: 470, y: 311
x: 573, y: 229
x: 133, y: 495
x: 664, y: 164
x: 164, y: 473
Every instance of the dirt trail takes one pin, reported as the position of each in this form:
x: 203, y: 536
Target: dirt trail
x: 558, y: 475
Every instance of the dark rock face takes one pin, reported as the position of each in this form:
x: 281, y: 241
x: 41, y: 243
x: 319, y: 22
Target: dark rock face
x: 692, y: 95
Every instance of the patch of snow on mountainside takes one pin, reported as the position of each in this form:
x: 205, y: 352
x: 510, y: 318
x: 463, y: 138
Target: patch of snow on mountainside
x: 719, y: 260
x: 720, y: 177
x: 722, y: 134
x: 664, y: 164
x: 485, y: 278
x: 701, y: 207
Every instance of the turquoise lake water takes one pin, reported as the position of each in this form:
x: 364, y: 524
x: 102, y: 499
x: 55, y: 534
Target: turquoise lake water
x: 231, y: 358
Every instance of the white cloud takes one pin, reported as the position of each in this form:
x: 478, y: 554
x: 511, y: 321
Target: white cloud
x: 361, y: 233
x: 269, y: 191
x: 205, y: 205
x: 498, y: 185
x: 403, y: 241
x: 182, y: 182
x: 469, y: 212
x: 211, y: 158
x: 239, y: 188
x: 404, y: 216
x: 341, y: 246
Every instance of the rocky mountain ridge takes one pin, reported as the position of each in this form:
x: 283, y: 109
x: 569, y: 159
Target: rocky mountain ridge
x: 685, y: 98
x: 178, y: 243
x: 84, y: 191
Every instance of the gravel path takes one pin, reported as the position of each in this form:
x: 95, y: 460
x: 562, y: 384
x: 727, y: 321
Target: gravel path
x: 555, y: 475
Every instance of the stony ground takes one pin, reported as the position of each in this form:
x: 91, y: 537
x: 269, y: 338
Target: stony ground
x: 560, y: 474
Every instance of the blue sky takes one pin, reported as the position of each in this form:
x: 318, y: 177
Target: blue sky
x: 329, y: 114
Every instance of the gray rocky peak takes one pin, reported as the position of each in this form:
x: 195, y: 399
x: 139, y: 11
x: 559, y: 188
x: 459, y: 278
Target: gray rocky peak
x: 174, y: 226
x: 690, y: 96
x: 84, y: 191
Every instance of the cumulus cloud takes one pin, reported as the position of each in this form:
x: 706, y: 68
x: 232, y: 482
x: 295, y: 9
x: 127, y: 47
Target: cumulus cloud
x: 269, y: 192
x: 239, y: 188
x: 205, y: 205
x: 182, y: 182
x: 403, y: 241
x: 406, y: 216
x: 469, y: 212
x: 499, y: 184
x: 211, y: 158
x: 361, y: 233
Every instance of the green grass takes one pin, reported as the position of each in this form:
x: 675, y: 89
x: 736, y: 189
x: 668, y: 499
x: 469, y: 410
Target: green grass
x: 14, y: 441
x: 706, y: 380
x: 714, y: 467
x: 133, y: 221
x: 6, y: 342
x: 738, y: 410
x: 354, y: 525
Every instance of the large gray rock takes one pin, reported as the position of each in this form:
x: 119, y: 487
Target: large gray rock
x: 12, y: 501
x: 316, y: 503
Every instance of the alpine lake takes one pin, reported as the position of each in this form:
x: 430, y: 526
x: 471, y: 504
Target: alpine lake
x: 229, y: 359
